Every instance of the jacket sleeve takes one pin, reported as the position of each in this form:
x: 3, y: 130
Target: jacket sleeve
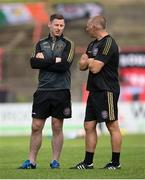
x: 66, y: 59
x: 37, y: 63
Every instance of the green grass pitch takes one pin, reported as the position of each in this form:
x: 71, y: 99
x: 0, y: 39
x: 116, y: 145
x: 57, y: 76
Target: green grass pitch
x: 13, y: 151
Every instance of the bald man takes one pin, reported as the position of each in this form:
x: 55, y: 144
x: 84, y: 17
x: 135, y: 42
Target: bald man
x: 101, y: 59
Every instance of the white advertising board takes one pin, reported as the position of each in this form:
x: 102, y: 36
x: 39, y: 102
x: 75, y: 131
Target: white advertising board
x: 15, y: 119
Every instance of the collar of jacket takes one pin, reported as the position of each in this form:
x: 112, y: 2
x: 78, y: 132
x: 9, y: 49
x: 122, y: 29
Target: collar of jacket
x: 56, y: 38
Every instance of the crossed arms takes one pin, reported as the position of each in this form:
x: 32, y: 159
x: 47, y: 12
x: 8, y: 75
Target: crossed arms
x: 53, y: 64
x: 93, y: 65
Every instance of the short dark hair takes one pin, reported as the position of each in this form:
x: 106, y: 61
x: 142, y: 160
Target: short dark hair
x: 56, y: 16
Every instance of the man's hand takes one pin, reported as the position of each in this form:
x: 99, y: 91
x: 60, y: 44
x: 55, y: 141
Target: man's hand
x: 40, y: 55
x: 90, y: 61
x: 83, y: 63
x: 57, y: 59
x: 84, y: 57
x: 95, y: 66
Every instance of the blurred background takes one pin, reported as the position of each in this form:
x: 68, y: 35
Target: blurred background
x: 23, y: 23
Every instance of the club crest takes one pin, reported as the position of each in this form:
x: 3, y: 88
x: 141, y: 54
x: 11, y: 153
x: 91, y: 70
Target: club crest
x: 95, y: 51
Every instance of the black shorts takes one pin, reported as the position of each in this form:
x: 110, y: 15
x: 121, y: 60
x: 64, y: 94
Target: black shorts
x: 51, y: 103
x: 102, y: 106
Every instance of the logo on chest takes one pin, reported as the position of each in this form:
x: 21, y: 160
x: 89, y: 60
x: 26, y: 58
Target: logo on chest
x: 59, y: 47
x: 46, y: 46
x: 95, y: 51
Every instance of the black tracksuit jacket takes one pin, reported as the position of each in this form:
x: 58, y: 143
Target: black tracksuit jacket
x: 52, y: 75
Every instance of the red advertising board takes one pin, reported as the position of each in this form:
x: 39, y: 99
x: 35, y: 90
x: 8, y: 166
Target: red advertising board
x: 132, y: 75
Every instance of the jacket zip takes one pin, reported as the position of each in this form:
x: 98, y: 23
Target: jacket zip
x: 53, y: 44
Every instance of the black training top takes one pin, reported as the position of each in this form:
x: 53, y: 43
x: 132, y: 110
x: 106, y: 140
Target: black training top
x: 52, y: 75
x: 105, y: 50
